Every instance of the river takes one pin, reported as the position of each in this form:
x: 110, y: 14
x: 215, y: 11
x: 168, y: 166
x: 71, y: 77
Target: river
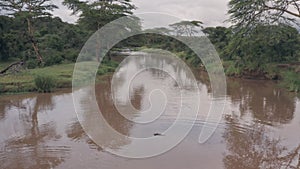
x: 259, y: 128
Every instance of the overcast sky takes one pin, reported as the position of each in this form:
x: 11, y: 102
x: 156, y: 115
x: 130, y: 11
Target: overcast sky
x: 211, y: 12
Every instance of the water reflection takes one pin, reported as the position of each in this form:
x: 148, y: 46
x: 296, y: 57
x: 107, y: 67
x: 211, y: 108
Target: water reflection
x: 263, y: 100
x: 254, y: 148
x: 27, y: 146
x: 75, y: 132
x: 91, y: 121
x: 260, y: 130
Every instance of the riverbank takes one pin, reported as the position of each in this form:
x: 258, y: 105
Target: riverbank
x: 287, y: 76
x: 61, y: 75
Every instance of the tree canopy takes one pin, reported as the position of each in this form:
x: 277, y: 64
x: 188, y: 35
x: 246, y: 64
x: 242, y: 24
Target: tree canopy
x: 187, y: 28
x: 93, y: 15
x: 28, y: 10
x: 248, y: 13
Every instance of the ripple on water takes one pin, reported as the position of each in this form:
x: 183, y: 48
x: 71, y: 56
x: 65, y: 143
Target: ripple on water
x: 33, y: 156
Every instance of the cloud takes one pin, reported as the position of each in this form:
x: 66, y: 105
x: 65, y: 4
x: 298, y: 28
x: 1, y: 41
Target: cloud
x: 211, y: 12
x: 63, y: 12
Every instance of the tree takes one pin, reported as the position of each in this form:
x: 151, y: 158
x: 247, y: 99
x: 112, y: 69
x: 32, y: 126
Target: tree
x: 220, y: 37
x: 5, y: 24
x: 93, y: 15
x: 28, y: 10
x: 264, y: 44
x: 187, y: 28
x: 248, y: 13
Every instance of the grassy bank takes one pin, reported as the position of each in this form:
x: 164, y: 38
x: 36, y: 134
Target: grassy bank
x: 60, y: 76
x: 24, y: 81
x: 288, y: 75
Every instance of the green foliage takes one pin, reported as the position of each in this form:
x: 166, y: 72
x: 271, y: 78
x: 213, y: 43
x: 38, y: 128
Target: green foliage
x: 107, y: 66
x: 93, y: 15
x: 231, y: 69
x: 271, y: 71
x: 54, y: 59
x: 248, y: 13
x: 31, y: 64
x: 220, y: 37
x: 44, y: 83
x: 58, y: 41
x: 70, y: 54
x: 256, y: 50
x: 27, y: 11
x: 291, y: 80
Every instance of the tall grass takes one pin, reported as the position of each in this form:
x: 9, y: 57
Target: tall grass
x: 44, y: 83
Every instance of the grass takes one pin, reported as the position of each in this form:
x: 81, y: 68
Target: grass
x: 44, y: 83
x: 62, y: 75
x: 24, y: 81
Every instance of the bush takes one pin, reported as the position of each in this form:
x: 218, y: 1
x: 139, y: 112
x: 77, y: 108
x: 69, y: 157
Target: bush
x: 44, y: 83
x: 71, y: 54
x: 231, y: 69
x: 291, y: 80
x: 52, y: 60
x: 271, y: 71
x: 31, y: 63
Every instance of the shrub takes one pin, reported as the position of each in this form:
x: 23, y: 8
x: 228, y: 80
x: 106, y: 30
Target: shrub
x: 56, y: 58
x: 291, y: 80
x: 71, y: 54
x: 44, y: 83
x: 271, y: 71
x: 231, y: 69
x: 31, y: 63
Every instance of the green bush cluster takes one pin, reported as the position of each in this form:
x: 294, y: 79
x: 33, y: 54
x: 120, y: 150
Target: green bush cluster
x: 44, y: 83
x: 291, y: 80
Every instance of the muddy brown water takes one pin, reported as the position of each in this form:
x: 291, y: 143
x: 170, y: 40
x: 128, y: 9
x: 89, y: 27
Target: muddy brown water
x: 259, y: 129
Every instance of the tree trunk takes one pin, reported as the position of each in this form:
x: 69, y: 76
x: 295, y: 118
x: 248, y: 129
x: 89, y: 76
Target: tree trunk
x: 33, y: 42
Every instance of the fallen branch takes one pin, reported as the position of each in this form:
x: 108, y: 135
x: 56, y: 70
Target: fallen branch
x: 10, y: 66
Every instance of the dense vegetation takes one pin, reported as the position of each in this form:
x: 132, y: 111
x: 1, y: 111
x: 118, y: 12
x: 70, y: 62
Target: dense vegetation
x: 262, y: 42
x: 58, y: 41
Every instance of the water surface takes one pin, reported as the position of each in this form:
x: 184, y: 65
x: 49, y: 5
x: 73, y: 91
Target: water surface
x: 259, y: 129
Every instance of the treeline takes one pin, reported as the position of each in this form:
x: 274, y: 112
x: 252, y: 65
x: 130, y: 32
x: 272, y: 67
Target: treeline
x: 258, y: 50
x: 57, y: 41
x: 30, y: 33
x: 261, y: 40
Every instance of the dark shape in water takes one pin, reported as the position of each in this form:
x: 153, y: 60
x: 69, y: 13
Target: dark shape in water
x: 158, y: 134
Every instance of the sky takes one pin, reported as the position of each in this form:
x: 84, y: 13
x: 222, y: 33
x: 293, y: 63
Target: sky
x: 210, y: 12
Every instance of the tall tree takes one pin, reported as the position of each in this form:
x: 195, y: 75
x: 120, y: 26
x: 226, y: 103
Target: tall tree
x: 93, y: 15
x: 187, y: 28
x: 220, y: 37
x: 28, y: 10
x: 263, y: 45
x: 248, y: 13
